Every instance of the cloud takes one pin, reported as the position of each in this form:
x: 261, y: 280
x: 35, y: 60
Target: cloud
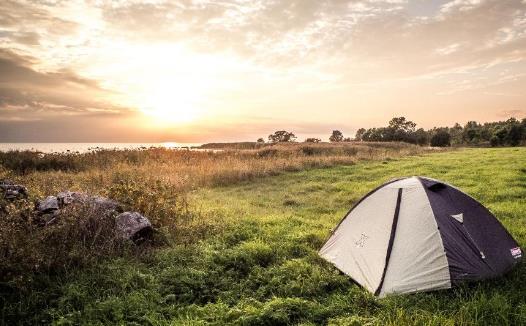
x: 368, y: 41
x: 262, y: 30
x: 33, y: 91
x: 73, y: 58
x: 15, y: 15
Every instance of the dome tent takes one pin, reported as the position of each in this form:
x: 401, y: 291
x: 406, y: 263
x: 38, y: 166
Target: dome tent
x: 419, y: 234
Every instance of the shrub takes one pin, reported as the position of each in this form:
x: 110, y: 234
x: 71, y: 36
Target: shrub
x: 311, y: 150
x: 23, y: 162
x: 282, y: 136
x: 81, y: 234
x: 336, y: 136
x: 267, y: 152
x: 441, y: 139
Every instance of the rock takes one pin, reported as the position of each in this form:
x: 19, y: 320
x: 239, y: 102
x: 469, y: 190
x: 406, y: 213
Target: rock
x: 132, y: 225
x: 104, y: 204
x: 4, y: 183
x: 51, y: 207
x: 48, y: 218
x: 69, y: 197
x: 47, y: 205
x: 100, y: 203
x: 13, y: 191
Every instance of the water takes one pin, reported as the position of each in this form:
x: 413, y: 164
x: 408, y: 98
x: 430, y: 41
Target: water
x: 84, y: 147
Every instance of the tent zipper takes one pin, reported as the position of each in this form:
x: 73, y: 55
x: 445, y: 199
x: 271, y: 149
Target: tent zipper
x: 473, y: 242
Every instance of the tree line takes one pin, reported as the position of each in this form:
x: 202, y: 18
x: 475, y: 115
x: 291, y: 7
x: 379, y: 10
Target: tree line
x: 511, y: 132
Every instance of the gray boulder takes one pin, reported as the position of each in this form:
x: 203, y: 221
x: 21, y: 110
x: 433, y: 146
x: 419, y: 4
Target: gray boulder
x: 47, y: 205
x: 99, y: 203
x: 69, y: 197
x: 132, y: 225
x: 12, y: 191
x: 105, y: 204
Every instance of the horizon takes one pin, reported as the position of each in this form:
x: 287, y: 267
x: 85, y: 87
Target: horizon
x: 201, y: 71
x: 324, y: 138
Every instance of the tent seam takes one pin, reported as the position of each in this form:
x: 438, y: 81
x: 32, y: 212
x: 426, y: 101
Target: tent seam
x: 391, y: 240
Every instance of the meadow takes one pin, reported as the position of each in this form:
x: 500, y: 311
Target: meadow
x: 238, y: 235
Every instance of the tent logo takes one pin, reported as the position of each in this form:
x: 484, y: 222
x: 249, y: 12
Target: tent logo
x: 516, y: 252
x: 361, y: 242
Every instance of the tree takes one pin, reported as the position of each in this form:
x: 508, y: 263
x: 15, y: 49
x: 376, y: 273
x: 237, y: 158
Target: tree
x: 282, y: 136
x: 347, y: 139
x: 456, y: 133
x: 312, y: 140
x: 359, y: 134
x: 260, y: 140
x: 400, y: 129
x: 337, y: 136
x: 401, y: 124
x: 441, y: 138
x: 523, y: 125
x: 420, y: 137
x: 515, y: 131
x: 471, y: 132
x: 511, y: 132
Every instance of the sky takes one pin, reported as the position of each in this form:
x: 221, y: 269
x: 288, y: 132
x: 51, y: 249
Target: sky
x: 231, y: 70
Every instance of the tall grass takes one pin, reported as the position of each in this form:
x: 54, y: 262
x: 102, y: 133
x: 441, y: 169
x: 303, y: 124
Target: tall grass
x: 184, y: 169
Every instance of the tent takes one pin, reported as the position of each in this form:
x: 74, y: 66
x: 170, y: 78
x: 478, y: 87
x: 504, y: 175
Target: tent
x: 419, y: 234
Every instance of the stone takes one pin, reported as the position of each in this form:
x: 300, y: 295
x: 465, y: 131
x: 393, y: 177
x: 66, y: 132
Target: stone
x: 69, y: 197
x: 132, y: 225
x: 13, y: 191
x: 47, y: 205
x: 48, y: 218
x: 105, y: 204
x: 99, y: 203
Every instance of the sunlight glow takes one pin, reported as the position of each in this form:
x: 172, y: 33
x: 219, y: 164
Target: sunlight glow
x: 171, y: 102
x: 170, y: 145
x: 166, y: 82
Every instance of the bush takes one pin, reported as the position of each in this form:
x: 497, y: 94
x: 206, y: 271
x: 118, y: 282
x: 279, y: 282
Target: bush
x: 165, y: 207
x: 267, y: 152
x: 441, y: 139
x: 311, y: 150
x: 23, y: 162
x: 81, y: 234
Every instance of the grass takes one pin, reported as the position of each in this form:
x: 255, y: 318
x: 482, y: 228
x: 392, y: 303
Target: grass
x: 259, y: 264
x: 183, y: 169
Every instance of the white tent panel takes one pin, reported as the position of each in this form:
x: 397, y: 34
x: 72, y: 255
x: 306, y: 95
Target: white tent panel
x: 358, y: 246
x: 404, y: 183
x: 418, y: 260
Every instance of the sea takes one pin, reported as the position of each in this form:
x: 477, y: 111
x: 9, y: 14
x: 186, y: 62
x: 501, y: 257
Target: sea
x: 86, y: 147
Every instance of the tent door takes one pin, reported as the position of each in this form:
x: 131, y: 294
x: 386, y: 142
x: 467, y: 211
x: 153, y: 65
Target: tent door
x: 473, y: 242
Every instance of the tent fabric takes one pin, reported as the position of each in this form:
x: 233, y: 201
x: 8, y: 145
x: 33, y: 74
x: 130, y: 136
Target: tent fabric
x: 477, y: 248
x: 391, y: 240
x: 358, y: 246
x: 419, y: 234
x: 418, y: 261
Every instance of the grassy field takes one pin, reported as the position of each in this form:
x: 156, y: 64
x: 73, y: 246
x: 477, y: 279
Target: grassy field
x: 256, y: 262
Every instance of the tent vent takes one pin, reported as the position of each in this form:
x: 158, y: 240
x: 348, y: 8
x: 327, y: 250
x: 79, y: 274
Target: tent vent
x: 458, y: 217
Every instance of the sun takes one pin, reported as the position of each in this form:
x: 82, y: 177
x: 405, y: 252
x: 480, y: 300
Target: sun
x: 171, y: 84
x: 167, y: 83
x: 171, y: 100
